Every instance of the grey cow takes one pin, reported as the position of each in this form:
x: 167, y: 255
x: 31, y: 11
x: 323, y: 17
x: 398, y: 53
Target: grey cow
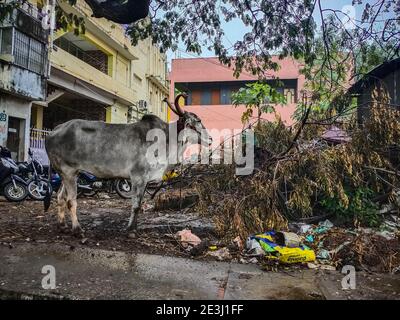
x: 111, y: 151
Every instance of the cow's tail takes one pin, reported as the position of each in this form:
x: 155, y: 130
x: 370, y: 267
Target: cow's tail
x: 47, y: 197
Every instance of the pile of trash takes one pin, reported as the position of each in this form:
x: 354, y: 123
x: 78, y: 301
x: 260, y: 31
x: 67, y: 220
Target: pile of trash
x: 364, y: 248
x: 326, y: 247
x: 285, y: 247
x: 322, y: 246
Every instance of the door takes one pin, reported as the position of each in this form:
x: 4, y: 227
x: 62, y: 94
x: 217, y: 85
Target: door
x: 14, y: 137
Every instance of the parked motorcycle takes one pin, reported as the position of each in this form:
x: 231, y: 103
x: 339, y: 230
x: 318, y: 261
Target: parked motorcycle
x: 13, y: 187
x: 34, y: 174
x: 124, y: 188
x: 89, y: 185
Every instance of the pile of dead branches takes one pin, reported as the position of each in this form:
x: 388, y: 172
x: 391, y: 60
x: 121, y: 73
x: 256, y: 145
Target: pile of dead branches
x: 301, y: 175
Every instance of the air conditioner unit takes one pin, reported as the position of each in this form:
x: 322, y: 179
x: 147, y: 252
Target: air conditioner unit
x: 142, y: 105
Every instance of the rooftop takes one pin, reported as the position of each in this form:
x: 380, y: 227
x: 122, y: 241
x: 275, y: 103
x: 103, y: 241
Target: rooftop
x: 210, y: 69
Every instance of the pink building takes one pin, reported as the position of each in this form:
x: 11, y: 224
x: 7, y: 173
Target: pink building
x: 209, y: 86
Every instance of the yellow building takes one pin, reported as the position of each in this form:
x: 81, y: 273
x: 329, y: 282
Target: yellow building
x: 99, y: 75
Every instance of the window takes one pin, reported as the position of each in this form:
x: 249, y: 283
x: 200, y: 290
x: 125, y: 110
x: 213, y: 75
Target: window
x: 189, y: 99
x: 290, y: 95
x: 6, y: 41
x: 21, y: 50
x: 36, y: 57
x: 226, y: 96
x: 279, y: 90
x: 205, y: 98
x: 29, y: 53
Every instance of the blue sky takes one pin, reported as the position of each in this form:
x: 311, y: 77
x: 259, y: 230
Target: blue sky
x: 234, y: 30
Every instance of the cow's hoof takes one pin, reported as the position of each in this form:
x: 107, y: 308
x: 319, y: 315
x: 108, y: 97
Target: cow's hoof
x: 78, y: 232
x: 132, y: 235
x: 62, y: 227
x: 132, y: 227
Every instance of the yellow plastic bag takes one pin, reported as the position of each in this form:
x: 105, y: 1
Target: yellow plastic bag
x: 295, y: 255
x: 282, y: 253
x: 170, y: 175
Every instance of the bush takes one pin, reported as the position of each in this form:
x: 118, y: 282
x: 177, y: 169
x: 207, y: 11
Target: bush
x: 314, y: 178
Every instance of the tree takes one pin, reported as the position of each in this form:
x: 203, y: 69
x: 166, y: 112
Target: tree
x: 324, y: 38
x: 257, y: 96
x: 287, y: 27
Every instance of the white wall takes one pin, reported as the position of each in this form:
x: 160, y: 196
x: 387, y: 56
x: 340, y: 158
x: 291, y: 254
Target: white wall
x: 150, y: 63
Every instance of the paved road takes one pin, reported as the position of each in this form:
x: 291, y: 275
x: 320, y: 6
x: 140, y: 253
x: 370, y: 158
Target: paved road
x: 84, y: 273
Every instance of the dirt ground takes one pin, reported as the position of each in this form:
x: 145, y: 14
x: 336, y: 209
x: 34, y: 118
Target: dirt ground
x: 103, y: 218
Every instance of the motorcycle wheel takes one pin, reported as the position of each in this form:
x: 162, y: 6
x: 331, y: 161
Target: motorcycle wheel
x: 86, y: 193
x: 124, y: 188
x: 38, y: 189
x: 81, y: 192
x: 89, y: 193
x: 15, y: 194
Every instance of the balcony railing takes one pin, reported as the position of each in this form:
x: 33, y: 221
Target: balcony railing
x: 38, y: 138
x: 30, y: 9
x: 77, y: 52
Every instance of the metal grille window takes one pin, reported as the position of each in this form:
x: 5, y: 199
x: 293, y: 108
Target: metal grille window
x: 36, y: 57
x: 21, y: 49
x: 29, y: 53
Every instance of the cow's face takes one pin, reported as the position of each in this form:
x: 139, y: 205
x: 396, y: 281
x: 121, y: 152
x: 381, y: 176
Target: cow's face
x: 192, y: 121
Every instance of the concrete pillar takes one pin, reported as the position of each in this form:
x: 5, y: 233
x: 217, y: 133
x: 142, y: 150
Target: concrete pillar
x: 37, y: 116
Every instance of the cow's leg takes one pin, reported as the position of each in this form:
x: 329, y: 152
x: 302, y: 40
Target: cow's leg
x: 61, y: 207
x: 138, y: 189
x: 71, y: 189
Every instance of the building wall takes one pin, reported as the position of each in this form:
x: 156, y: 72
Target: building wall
x: 219, y: 93
x: 208, y: 74
x: 116, y: 83
x: 210, y: 69
x: 128, y: 67
x: 22, y: 82
x: 387, y: 87
x: 117, y: 114
x: 19, y: 108
x: 149, y: 78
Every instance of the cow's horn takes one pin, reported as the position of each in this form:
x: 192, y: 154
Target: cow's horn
x: 171, y: 107
x: 177, y: 107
